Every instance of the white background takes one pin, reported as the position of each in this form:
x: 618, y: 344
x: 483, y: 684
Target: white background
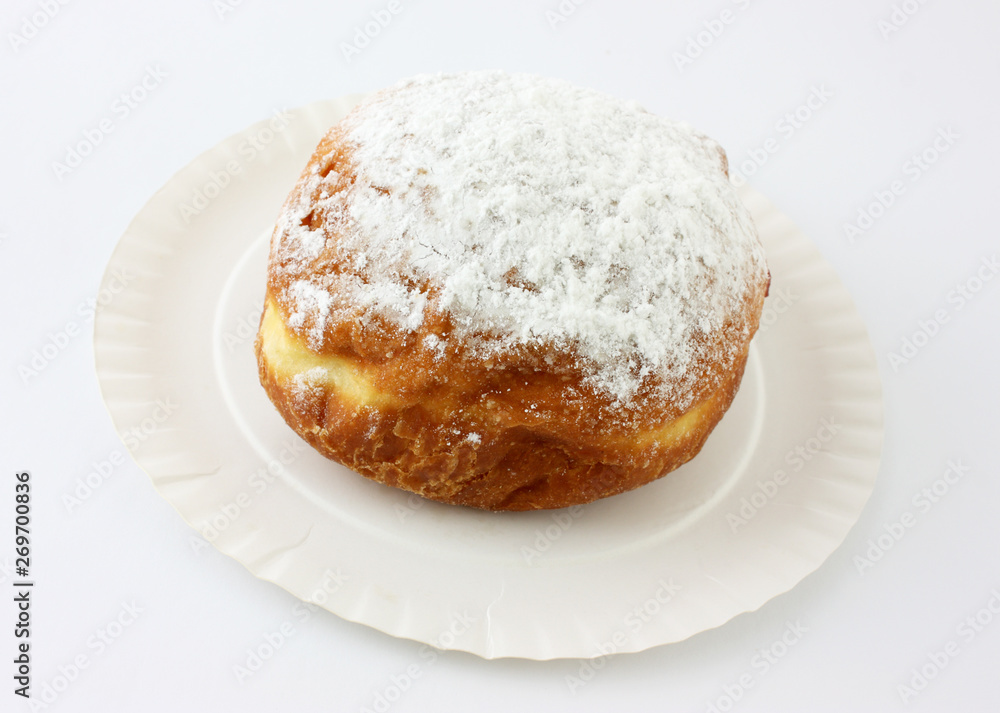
x: 201, y: 611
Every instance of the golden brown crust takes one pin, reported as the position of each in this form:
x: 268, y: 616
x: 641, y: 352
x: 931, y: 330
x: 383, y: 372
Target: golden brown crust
x: 518, y: 430
x: 520, y: 458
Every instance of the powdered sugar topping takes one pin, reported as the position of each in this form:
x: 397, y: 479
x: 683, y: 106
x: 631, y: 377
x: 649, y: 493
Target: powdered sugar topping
x: 540, y: 213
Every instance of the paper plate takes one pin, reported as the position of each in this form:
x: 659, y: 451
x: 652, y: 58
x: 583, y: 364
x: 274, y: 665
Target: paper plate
x: 773, y: 493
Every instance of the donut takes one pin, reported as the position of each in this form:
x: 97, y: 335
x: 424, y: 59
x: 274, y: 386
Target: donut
x: 508, y: 292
